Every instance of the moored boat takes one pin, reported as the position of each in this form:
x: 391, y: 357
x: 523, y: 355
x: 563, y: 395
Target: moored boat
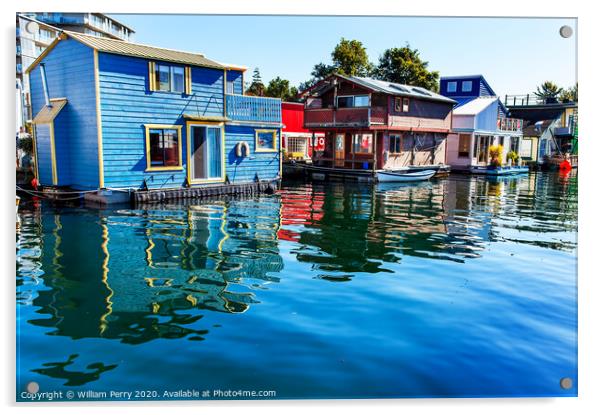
x: 499, y: 171
x: 400, y: 176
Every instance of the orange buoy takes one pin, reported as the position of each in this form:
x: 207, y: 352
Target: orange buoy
x: 565, y: 165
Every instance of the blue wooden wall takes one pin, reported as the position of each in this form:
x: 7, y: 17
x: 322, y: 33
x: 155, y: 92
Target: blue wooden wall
x: 480, y: 87
x: 486, y: 120
x: 237, y: 78
x: 127, y: 105
x: 266, y: 165
x: 70, y: 74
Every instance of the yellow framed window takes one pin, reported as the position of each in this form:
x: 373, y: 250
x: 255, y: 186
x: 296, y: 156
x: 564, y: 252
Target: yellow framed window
x: 169, y: 78
x: 163, y: 147
x: 266, y: 141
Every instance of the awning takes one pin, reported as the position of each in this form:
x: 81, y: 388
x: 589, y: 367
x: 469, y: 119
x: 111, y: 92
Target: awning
x: 48, y: 113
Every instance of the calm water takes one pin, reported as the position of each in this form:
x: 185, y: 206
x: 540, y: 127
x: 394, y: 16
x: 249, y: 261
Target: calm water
x: 458, y: 287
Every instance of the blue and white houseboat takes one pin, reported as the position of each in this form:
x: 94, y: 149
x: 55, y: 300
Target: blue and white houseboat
x: 479, y: 121
x: 114, y: 118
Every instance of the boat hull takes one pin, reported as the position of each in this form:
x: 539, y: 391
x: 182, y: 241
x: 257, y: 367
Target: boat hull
x: 500, y: 171
x: 398, y: 177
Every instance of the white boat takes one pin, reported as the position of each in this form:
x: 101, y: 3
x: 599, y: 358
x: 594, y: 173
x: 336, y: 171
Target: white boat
x: 400, y: 176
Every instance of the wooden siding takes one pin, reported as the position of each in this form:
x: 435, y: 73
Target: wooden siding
x: 70, y: 74
x: 486, y: 120
x: 266, y: 165
x: 237, y: 78
x: 406, y: 122
x: 127, y: 105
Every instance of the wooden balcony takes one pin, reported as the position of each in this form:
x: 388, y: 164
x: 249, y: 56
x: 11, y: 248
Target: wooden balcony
x: 250, y: 108
x: 344, y: 117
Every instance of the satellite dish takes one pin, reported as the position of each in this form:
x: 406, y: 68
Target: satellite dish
x: 32, y: 27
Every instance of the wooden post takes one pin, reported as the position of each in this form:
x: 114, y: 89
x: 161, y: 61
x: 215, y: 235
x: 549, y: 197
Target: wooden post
x: 413, y: 159
x: 374, y: 147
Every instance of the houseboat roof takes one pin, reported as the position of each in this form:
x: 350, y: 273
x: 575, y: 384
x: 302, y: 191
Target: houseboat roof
x: 121, y: 47
x: 393, y: 88
x: 475, y: 106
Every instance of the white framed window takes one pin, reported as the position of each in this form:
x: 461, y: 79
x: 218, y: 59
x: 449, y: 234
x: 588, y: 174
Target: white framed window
x: 466, y: 86
x: 452, y: 86
x: 406, y: 105
x: 230, y: 87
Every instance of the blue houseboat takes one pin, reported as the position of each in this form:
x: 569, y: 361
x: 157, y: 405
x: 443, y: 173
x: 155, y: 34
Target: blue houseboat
x: 480, y: 120
x: 114, y: 118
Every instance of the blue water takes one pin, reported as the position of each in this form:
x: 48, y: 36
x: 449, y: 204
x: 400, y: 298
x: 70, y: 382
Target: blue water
x: 461, y: 287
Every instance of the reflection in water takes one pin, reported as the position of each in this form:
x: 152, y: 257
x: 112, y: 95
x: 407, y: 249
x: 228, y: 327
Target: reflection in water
x: 156, y: 273
x: 74, y: 378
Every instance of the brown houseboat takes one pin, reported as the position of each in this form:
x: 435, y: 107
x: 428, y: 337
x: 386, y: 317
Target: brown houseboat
x: 374, y: 125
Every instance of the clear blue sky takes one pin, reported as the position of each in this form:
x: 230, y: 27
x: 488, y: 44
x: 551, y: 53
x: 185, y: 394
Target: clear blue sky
x: 514, y: 55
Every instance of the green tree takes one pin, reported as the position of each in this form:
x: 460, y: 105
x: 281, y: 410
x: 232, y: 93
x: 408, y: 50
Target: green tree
x: 570, y: 94
x: 280, y: 88
x: 350, y: 58
x: 257, y: 88
x: 404, y: 66
x: 548, y: 90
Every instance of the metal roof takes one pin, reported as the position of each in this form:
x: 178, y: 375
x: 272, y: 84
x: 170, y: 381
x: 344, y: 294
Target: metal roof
x: 475, y: 106
x: 122, y: 47
x: 393, y: 88
x: 48, y: 113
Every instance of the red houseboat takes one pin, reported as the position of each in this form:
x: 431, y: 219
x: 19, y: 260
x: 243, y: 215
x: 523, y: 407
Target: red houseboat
x: 372, y: 125
x: 296, y: 139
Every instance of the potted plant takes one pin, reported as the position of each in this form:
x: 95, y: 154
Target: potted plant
x: 495, y: 155
x: 512, y: 158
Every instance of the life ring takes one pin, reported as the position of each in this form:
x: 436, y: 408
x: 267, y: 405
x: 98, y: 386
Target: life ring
x: 565, y: 165
x: 242, y: 149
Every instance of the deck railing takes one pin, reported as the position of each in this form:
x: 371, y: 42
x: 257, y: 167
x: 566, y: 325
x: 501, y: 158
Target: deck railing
x: 330, y: 117
x: 509, y: 124
x: 250, y: 108
x: 529, y: 99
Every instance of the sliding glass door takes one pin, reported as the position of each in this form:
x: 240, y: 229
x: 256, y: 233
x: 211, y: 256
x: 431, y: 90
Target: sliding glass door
x: 206, y: 157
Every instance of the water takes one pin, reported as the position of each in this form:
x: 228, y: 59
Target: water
x: 461, y: 287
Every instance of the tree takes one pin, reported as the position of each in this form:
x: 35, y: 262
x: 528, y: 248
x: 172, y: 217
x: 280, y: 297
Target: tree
x: 350, y: 58
x: 257, y: 87
x: 548, y: 90
x: 404, y: 66
x: 280, y: 88
x: 570, y: 94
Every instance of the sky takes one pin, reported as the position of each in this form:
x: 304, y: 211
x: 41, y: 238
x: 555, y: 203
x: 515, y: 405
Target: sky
x: 514, y: 54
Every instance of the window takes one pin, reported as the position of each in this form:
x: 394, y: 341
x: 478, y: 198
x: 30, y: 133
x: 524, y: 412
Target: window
x: 406, y: 104
x: 464, y: 145
x: 169, y: 78
x: 514, y: 144
x: 266, y: 140
x: 362, y: 143
x: 395, y: 144
x: 205, y: 154
x: 353, y: 101
x: 466, y: 86
x: 230, y: 87
x: 163, y: 147
x: 452, y: 86
x: 397, y: 104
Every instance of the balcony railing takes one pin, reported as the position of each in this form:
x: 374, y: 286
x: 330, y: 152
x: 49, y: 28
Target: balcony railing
x: 529, y: 99
x: 344, y: 117
x: 250, y: 108
x: 510, y: 124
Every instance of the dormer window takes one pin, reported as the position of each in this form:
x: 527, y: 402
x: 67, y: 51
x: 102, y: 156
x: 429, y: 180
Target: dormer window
x: 466, y: 86
x: 452, y: 86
